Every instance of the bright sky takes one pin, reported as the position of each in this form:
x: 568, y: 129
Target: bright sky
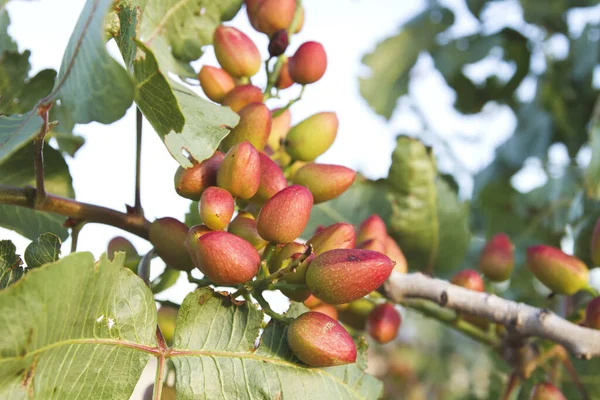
x: 103, y: 170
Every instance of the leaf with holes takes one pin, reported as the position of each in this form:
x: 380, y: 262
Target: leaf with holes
x: 18, y: 170
x: 43, y: 250
x: 11, y: 265
x: 76, y: 330
x: 216, y: 357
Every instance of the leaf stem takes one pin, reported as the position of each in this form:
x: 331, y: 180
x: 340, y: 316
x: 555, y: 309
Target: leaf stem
x: 160, y: 368
x: 138, y: 161
x: 26, y: 197
x: 262, y: 284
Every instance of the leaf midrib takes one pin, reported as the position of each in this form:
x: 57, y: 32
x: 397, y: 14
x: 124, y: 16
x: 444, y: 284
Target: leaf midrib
x: 172, y: 353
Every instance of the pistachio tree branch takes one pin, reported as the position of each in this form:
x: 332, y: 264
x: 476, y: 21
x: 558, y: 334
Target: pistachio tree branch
x: 26, y: 197
x: 520, y: 318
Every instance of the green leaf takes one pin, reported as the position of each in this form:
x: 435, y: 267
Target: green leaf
x: 392, y: 59
x: 361, y: 200
x: 91, y: 84
x: 592, y: 173
x: 192, y: 217
x: 218, y: 359
x: 68, y: 142
x: 19, y: 171
x: 6, y: 42
x: 16, y: 131
x: 74, y: 329
x: 43, y: 250
x: 428, y: 221
x: 187, y: 123
x: 11, y: 265
x: 167, y: 279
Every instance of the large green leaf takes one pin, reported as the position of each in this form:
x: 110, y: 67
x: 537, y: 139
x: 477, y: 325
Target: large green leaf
x: 428, y: 221
x: 74, y: 329
x: 361, y: 200
x: 217, y: 358
x: 11, y: 265
x: 187, y: 123
x: 91, y: 84
x: 18, y: 170
x: 392, y: 59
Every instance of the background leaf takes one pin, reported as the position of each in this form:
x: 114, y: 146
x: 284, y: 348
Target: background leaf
x: 218, y: 358
x: 43, y: 250
x: 69, y: 329
x: 19, y: 171
x: 11, y: 265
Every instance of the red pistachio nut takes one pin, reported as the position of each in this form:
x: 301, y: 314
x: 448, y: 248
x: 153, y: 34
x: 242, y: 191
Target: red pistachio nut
x: 279, y: 128
x: 245, y: 227
x: 272, y: 180
x: 320, y: 341
x: 270, y: 16
x: 284, y: 216
x: 308, y: 64
x: 561, y: 273
x: 239, y: 172
x: 192, y: 240
x: 216, y: 208
x: 284, y: 80
x: 215, y: 83
x: 191, y: 182
x: 383, y: 323
x: 497, y: 259
x: 254, y: 126
x: 343, y: 275
x: 241, y: 96
x: 393, y: 251
x: 469, y: 279
x: 236, y: 52
x: 325, y: 181
x: 546, y: 391
x: 226, y: 259
x: 312, y: 137
x: 312, y: 301
x: 336, y: 236
x: 372, y: 227
x: 169, y: 236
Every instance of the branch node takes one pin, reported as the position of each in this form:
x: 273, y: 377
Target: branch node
x: 443, y: 299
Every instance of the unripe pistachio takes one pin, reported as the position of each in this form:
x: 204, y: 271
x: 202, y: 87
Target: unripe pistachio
x: 469, y: 279
x: 239, y: 172
x: 356, y: 313
x: 272, y: 180
x: 241, y: 96
x: 270, y: 16
x: 312, y: 301
x: 372, y: 244
x: 279, y: 128
x: 393, y: 251
x: 325, y: 181
x: 245, y: 227
x: 561, y: 273
x: 284, y: 80
x: 169, y: 236
x: 216, y: 208
x: 215, y: 83
x: 320, y: 341
x: 383, y: 323
x: 308, y: 64
x: 343, y: 275
x: 546, y: 391
x: 236, y: 52
x: 326, y: 309
x: 285, y: 215
x: 595, y: 245
x: 372, y: 228
x: 592, y: 314
x: 312, y: 137
x: 497, y: 259
x: 226, y: 259
x: 335, y: 236
x: 167, y: 316
x: 254, y: 126
x: 285, y: 254
x: 278, y: 43
x: 192, y: 240
x: 132, y: 258
x: 191, y: 182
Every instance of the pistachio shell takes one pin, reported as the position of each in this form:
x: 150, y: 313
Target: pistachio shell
x: 325, y: 181
x: 191, y: 182
x: 272, y: 180
x: 312, y: 137
x: 239, y: 172
x: 336, y: 236
x: 254, y: 126
x: 169, y: 236
x: 215, y: 83
x: 561, y: 273
x: 284, y: 216
x: 241, y: 96
x: 308, y: 64
x: 383, y: 323
x: 236, y: 52
x: 497, y: 259
x: 216, y: 208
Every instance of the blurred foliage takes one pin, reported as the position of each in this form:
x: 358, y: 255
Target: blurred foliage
x: 554, y: 98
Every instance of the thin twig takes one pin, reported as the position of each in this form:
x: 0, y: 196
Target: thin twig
x: 138, y: 161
